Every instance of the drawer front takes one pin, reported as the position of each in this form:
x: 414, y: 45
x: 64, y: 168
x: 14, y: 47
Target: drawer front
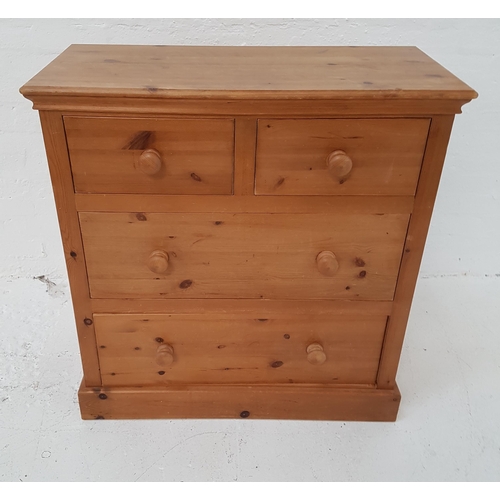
x: 157, y: 156
x: 156, y: 255
x: 340, y: 156
x: 139, y: 349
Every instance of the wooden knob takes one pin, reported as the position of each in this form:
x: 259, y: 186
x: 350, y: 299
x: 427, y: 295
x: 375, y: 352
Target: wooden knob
x: 315, y: 354
x: 158, y: 262
x: 165, y: 355
x: 149, y: 162
x: 339, y: 165
x: 327, y: 263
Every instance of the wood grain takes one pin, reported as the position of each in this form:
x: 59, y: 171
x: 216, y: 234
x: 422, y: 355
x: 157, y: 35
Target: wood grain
x: 261, y: 308
x: 247, y: 72
x: 197, y: 155
x: 232, y: 348
x: 414, y: 247
x: 386, y: 155
x: 242, y: 255
x: 62, y: 185
x: 244, y: 167
x: 217, y: 302
x: 245, y: 204
x: 298, y: 402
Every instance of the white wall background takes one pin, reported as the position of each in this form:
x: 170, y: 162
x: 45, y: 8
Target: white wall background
x: 449, y: 425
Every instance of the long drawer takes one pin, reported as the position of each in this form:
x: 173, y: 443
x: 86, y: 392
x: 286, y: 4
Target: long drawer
x: 203, y: 255
x: 157, y: 349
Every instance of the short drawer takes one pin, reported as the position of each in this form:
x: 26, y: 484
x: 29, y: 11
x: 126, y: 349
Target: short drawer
x: 141, y: 349
x: 204, y: 255
x: 339, y: 156
x: 156, y: 156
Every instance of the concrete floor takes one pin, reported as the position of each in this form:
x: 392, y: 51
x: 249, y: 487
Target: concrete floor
x: 448, y: 427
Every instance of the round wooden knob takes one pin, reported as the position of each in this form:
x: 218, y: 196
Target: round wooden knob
x: 165, y: 355
x: 327, y: 263
x: 339, y: 165
x: 158, y: 262
x: 149, y: 162
x: 315, y: 354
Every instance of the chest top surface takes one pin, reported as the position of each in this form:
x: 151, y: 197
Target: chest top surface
x: 246, y: 73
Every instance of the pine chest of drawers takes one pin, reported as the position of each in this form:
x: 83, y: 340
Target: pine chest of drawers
x: 243, y: 226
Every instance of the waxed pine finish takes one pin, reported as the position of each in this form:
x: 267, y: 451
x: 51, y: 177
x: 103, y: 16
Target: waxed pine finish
x: 243, y: 226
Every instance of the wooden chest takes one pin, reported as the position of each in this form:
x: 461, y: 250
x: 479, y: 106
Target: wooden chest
x: 243, y: 226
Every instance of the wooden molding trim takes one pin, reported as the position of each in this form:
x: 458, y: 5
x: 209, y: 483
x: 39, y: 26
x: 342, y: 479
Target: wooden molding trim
x: 298, y: 402
x: 327, y: 108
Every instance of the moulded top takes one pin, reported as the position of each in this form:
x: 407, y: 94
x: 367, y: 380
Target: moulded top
x: 247, y: 73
